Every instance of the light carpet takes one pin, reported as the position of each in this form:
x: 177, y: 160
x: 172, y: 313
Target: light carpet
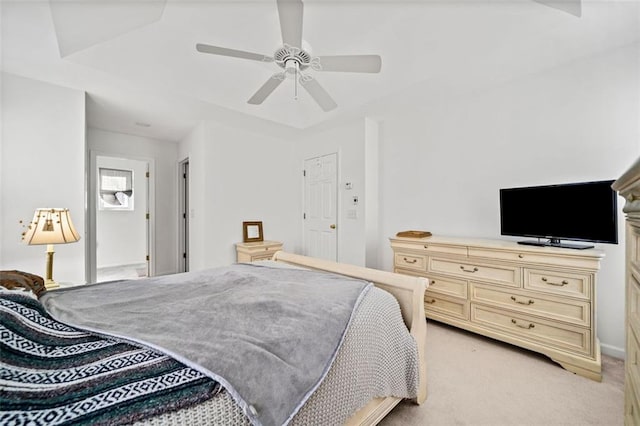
x: 473, y: 380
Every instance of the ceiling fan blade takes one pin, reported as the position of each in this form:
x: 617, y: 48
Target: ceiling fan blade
x: 223, y: 51
x: 316, y: 91
x: 290, y: 13
x: 573, y: 7
x: 267, y: 88
x: 350, y: 63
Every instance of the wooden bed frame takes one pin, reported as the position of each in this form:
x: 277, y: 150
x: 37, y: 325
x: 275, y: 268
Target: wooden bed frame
x: 409, y: 291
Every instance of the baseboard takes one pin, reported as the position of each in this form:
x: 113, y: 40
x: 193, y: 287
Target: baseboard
x: 123, y: 264
x: 158, y: 273
x: 612, y: 351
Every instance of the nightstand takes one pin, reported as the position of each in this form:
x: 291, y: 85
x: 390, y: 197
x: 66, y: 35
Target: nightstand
x: 261, y: 250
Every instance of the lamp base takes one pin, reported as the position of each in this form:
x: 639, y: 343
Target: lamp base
x: 51, y: 284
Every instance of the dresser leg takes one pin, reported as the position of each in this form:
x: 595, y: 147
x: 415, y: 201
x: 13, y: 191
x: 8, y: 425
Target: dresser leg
x: 588, y: 369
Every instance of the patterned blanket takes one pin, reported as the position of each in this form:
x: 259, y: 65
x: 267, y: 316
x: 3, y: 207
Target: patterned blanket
x: 53, y: 374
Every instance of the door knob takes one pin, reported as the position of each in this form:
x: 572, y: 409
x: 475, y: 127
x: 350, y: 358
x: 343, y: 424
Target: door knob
x: 333, y: 226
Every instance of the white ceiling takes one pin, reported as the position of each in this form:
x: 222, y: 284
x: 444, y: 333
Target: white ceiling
x: 138, y: 63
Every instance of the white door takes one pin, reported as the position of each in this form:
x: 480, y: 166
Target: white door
x: 321, y: 207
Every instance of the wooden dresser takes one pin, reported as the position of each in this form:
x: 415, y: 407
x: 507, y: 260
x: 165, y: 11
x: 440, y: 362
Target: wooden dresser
x: 629, y: 187
x: 539, y: 298
x: 261, y: 250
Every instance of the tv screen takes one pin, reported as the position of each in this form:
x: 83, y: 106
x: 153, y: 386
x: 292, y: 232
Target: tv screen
x: 585, y: 211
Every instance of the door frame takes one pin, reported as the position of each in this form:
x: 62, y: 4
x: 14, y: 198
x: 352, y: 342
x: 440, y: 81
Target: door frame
x: 338, y: 198
x: 91, y: 206
x: 183, y: 226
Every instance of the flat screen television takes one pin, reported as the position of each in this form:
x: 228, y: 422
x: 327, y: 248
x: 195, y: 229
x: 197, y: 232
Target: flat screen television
x: 584, y: 211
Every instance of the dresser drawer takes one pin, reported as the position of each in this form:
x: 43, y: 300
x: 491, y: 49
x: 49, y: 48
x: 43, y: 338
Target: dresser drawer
x: 511, y: 255
x: 452, y: 307
x: 632, y: 365
x: 531, y: 257
x: 573, y: 311
x: 557, y: 282
x: 427, y: 246
x: 633, y: 302
x: 634, y: 246
x: 499, y: 274
x: 267, y: 256
x: 547, y: 333
x: 631, y: 409
x: 411, y: 261
x: 448, y: 286
x: 444, y: 248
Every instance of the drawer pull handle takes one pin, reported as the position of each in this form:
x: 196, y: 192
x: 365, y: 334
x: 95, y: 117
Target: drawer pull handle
x: 430, y: 301
x: 469, y: 270
x: 563, y: 283
x: 425, y: 246
x: 521, y: 256
x: 530, y: 326
x: 410, y: 261
x: 528, y: 302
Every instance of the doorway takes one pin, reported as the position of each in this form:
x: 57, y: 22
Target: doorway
x: 119, y: 211
x: 321, y: 207
x: 183, y: 216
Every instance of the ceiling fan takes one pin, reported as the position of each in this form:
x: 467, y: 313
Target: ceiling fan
x: 295, y: 60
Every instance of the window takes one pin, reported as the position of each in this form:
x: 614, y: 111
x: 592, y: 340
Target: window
x: 116, y: 189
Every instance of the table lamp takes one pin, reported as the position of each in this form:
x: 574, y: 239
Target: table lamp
x: 50, y: 226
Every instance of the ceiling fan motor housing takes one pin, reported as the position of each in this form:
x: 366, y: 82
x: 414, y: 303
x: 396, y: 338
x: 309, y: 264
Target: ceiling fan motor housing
x: 287, y: 57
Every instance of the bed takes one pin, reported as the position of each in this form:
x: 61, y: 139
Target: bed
x: 366, y: 375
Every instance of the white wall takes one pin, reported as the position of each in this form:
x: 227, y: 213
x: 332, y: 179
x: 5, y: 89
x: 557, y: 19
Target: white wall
x: 238, y: 176
x: 443, y: 161
x: 373, y: 252
x: 42, y: 165
x: 121, y: 235
x: 164, y: 156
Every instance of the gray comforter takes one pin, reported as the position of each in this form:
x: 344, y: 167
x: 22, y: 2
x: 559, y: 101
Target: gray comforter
x: 269, y: 335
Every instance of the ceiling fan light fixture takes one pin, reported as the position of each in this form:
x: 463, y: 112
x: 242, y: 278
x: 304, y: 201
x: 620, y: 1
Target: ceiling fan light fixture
x: 291, y: 66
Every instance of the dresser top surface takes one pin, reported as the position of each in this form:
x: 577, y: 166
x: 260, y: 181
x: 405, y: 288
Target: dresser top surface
x: 259, y: 244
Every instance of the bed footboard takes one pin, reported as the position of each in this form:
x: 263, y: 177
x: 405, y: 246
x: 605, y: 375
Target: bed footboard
x: 408, y: 290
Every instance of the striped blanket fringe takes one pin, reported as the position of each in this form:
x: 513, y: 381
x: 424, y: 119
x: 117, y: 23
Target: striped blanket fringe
x: 53, y: 374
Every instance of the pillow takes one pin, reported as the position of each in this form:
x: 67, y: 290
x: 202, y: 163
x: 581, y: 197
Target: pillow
x: 19, y: 279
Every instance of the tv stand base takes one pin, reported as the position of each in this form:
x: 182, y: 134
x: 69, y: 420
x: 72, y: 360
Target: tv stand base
x: 555, y: 243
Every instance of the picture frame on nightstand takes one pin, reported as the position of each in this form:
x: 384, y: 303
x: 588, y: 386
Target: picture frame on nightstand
x: 252, y: 232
